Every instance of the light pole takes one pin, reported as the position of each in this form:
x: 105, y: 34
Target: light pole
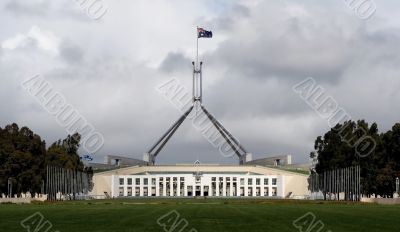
x: 397, y: 186
x: 10, y: 187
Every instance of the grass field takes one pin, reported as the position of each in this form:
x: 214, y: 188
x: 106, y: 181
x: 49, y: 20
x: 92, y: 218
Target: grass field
x: 203, y: 215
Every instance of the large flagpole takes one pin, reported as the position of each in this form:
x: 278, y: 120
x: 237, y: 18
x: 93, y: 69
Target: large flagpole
x: 196, y: 67
x: 197, y: 52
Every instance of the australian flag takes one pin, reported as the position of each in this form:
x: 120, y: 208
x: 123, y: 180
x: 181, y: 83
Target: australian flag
x: 201, y: 33
x: 87, y: 158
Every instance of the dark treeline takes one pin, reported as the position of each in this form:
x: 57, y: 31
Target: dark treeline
x: 380, y: 163
x: 24, y: 157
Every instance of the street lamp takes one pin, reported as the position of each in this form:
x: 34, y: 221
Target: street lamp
x: 397, y: 186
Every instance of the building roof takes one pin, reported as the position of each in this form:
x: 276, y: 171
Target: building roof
x: 249, y: 169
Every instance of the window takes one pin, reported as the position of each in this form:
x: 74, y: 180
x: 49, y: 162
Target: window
x: 121, y: 181
x: 234, y: 188
x: 250, y: 192
x: 214, y: 188
x: 250, y: 181
x: 137, y: 181
x: 266, y: 191
x: 258, y: 191
x: 121, y: 191
x: 274, y: 191
x: 266, y: 181
x: 190, y: 190
x: 129, y: 181
x: 130, y: 191
x: 153, y: 181
x: 241, y: 181
x: 273, y: 181
x: 258, y: 181
x: 145, y: 181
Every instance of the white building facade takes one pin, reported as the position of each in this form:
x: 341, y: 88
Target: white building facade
x: 197, y: 184
x: 205, y: 181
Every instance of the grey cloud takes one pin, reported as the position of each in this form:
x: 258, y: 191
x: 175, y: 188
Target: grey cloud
x: 24, y: 8
x: 175, y: 61
x: 247, y: 80
x: 236, y: 97
x: 291, y: 57
x: 60, y: 10
x: 226, y: 20
x: 71, y: 53
x: 304, y: 48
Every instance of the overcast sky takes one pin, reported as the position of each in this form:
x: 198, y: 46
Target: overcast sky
x: 108, y: 69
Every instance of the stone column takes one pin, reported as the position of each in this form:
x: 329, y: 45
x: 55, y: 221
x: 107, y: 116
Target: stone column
x: 210, y: 189
x: 178, y: 191
x: 246, y: 187
x: 254, y: 187
x: 224, y: 187
x: 262, y: 187
x: 238, y: 186
x: 165, y: 186
x: 141, y: 187
x: 231, y: 186
x: 171, y: 186
x: 157, y: 186
x: 217, y: 186
x: 185, y: 188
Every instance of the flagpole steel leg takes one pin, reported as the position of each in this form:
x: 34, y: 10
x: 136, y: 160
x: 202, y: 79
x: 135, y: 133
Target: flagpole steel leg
x: 232, y: 145
x: 226, y: 131
x: 172, y: 131
x: 166, y: 136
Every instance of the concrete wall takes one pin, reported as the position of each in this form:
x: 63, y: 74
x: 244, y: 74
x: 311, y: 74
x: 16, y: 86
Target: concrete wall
x: 102, y: 183
x: 296, y: 184
x: 16, y: 200
x: 282, y: 160
x: 382, y: 201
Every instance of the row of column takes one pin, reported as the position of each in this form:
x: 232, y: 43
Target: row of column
x: 271, y: 189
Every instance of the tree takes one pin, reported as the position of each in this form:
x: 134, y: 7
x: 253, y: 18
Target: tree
x: 65, y: 153
x: 23, y: 158
x: 379, y: 168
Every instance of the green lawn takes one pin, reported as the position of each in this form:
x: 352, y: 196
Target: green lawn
x: 203, y: 215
